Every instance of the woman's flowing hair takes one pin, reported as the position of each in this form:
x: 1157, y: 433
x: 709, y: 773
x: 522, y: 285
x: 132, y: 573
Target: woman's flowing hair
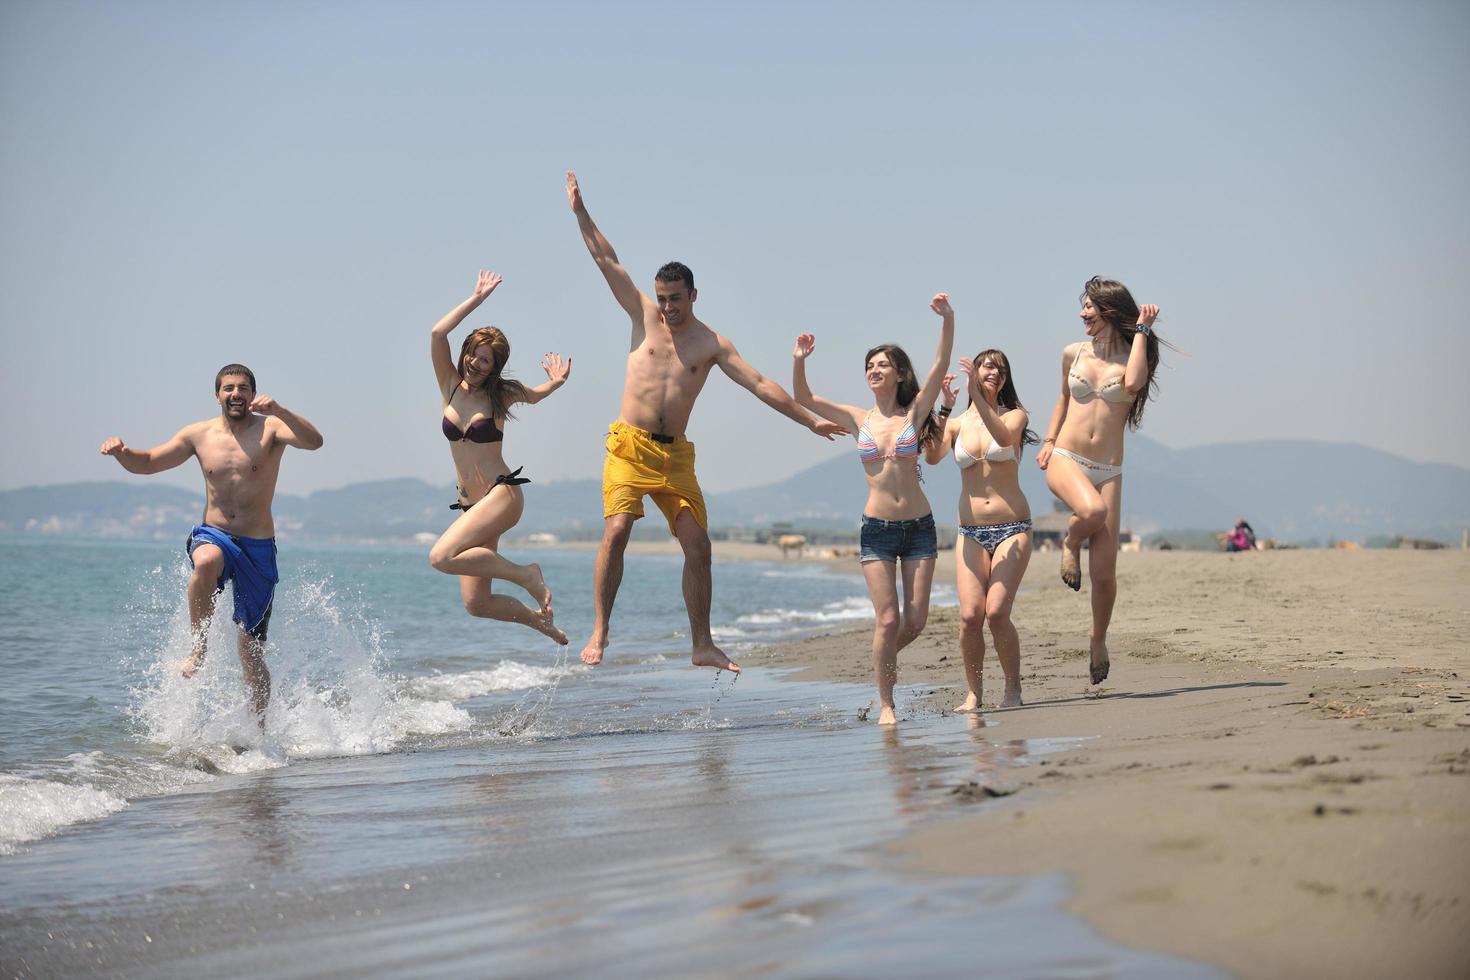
x: 503, y: 392
x: 1006, y: 398
x: 1116, y: 306
x: 908, y: 389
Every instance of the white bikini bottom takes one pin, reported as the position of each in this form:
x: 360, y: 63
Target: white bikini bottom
x: 1098, y: 473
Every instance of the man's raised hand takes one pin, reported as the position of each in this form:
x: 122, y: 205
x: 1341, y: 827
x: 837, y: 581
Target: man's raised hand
x: 264, y: 404
x: 113, y: 447
x: 827, y: 429
x: 574, y: 193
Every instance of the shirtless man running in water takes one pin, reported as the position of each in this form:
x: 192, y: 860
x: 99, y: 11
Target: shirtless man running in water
x: 669, y: 360
x: 240, y: 453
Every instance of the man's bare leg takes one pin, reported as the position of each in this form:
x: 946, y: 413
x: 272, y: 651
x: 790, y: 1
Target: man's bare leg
x: 252, y: 662
x: 697, y: 589
x: 209, y: 564
x: 607, y: 575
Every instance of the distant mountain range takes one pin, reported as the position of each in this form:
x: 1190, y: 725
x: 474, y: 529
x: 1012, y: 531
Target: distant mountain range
x: 1294, y: 491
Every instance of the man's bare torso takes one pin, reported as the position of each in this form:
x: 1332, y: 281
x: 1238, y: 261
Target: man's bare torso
x: 240, y: 467
x: 666, y: 372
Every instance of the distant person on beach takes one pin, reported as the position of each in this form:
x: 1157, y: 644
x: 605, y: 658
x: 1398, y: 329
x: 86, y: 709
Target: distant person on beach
x: 240, y: 454
x: 897, y: 536
x: 1106, y: 380
x: 670, y: 356
x: 994, y: 548
x: 477, y: 401
x: 1241, y: 538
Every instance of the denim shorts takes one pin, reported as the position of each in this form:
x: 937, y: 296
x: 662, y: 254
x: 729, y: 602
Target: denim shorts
x: 909, y: 540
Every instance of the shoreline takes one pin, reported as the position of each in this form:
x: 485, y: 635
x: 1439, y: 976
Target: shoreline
x: 1278, y: 768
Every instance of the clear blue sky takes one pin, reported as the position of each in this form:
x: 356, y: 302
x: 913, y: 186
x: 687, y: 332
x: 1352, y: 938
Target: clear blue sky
x: 307, y: 187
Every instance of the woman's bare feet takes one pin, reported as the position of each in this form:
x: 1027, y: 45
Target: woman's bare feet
x: 886, y: 716
x: 592, y: 653
x: 1011, y: 698
x: 544, y: 624
x: 712, y: 656
x: 1099, y: 664
x: 536, y: 585
x: 1072, y: 566
x: 971, y: 703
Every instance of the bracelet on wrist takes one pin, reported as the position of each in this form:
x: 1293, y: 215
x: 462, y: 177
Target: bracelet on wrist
x: 1143, y: 328
x: 1045, y: 441
x: 944, y: 411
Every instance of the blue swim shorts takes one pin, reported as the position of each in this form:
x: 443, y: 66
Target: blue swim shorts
x: 909, y: 540
x: 250, y: 563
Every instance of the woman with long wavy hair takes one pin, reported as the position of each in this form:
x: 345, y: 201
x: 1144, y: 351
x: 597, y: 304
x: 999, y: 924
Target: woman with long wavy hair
x: 477, y: 400
x: 1106, y: 380
x: 897, y: 535
x: 994, y: 547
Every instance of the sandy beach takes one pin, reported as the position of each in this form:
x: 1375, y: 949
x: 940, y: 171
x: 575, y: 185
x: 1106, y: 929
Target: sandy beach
x: 1277, y: 777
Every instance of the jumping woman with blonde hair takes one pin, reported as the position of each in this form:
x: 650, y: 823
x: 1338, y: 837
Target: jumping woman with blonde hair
x: 478, y: 398
x: 897, y: 534
x: 1106, y: 380
x: 994, y: 547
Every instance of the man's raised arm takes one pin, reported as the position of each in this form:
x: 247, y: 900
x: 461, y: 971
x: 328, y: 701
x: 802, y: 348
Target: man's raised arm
x: 627, y: 294
x: 161, y: 457
x: 768, y: 391
x: 294, y: 430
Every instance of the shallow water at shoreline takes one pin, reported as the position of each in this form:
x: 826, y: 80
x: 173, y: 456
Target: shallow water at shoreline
x: 436, y: 795
x: 659, y: 818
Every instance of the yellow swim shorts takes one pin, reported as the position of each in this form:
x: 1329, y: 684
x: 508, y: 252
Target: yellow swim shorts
x: 636, y: 465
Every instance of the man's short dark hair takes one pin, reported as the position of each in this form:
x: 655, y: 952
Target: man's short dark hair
x: 230, y: 369
x: 675, y: 272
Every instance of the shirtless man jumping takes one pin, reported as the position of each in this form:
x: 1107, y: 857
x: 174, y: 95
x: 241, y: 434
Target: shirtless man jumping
x: 669, y: 360
x: 240, y: 453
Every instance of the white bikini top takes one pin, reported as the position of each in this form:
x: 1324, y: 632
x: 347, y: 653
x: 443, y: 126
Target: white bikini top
x: 994, y: 453
x: 1111, y: 390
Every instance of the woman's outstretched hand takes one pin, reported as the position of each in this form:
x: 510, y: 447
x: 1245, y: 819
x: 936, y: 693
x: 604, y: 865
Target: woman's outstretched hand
x: 805, y: 344
x: 940, y: 304
x: 948, y: 393
x: 556, y: 369
x: 1147, y: 314
x: 485, y: 285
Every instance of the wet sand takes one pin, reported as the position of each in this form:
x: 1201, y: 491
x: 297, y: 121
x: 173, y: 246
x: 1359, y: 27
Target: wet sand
x: 1278, y: 775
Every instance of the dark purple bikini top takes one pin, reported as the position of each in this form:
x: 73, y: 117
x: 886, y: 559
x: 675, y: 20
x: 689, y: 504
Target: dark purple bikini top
x: 480, y: 430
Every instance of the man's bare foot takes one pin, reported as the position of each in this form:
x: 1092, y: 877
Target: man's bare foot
x: 1099, y: 665
x: 188, y: 667
x: 1072, y: 567
x: 536, y: 585
x: 592, y: 653
x: 543, y: 623
x: 1011, y: 699
x: 971, y: 703
x: 886, y: 716
x: 711, y: 656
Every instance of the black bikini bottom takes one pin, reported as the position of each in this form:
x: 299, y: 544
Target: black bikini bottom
x: 513, y: 479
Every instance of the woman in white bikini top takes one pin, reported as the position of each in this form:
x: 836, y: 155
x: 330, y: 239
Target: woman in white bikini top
x: 1106, y: 380
x: 994, y: 518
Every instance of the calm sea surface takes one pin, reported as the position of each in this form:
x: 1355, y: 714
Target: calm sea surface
x: 438, y: 795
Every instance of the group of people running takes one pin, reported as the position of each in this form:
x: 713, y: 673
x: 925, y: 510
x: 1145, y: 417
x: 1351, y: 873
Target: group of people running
x: 1106, y: 380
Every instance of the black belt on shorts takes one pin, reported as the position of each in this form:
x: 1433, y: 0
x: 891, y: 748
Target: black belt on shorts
x: 660, y: 437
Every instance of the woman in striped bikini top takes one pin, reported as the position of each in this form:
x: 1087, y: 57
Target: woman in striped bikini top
x: 897, y: 536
